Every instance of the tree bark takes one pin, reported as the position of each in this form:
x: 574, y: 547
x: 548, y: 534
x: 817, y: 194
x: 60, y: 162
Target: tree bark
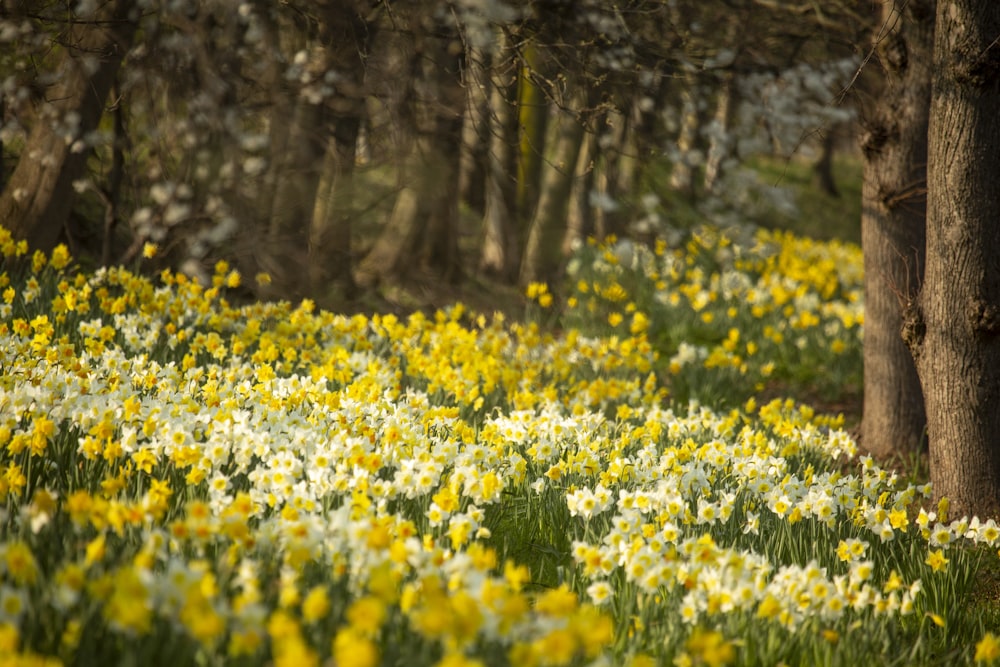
x: 330, y: 235
x: 533, y: 114
x: 3, y: 160
x: 281, y: 105
x: 681, y: 173
x: 955, y: 330
x: 475, y: 133
x: 615, y: 173
x: 348, y: 35
x: 720, y: 143
x: 386, y: 259
x: 426, y: 207
x: 823, y: 167
x: 38, y: 198
x: 500, y: 254
x: 112, y: 193
x: 581, y: 215
x: 441, y: 250
x: 543, y: 251
x: 892, y: 227
x: 296, y: 189
x: 623, y: 186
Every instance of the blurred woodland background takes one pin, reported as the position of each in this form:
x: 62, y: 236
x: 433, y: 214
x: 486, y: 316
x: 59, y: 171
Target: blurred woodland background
x: 350, y: 147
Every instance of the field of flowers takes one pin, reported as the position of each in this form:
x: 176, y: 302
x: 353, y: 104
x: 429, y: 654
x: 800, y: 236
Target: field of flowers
x: 188, y: 481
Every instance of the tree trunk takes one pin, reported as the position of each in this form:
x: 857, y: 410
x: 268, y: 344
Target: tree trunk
x: 533, y: 114
x: 475, y: 133
x: 501, y: 248
x: 441, y: 250
x: 647, y: 133
x: 330, y: 235
x: 426, y: 207
x: 295, y: 197
x: 681, y: 174
x: 955, y: 329
x: 3, y: 161
x: 543, y: 251
x: 38, y: 198
x: 823, y: 167
x: 299, y: 174
x: 282, y: 102
x: 348, y: 36
x: 892, y: 227
x: 387, y: 258
x: 112, y: 193
x: 720, y: 143
x: 581, y: 213
x: 623, y: 187
x: 615, y: 175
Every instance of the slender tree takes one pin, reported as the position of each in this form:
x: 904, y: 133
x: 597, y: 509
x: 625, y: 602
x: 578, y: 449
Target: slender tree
x: 543, y: 251
x: 475, y: 131
x: 348, y: 35
x: 297, y: 186
x: 500, y: 255
x: 38, y: 198
x: 823, y: 166
x: 421, y: 231
x: 532, y: 117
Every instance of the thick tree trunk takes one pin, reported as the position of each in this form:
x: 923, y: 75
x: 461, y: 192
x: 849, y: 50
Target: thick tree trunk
x: 441, y: 250
x: 387, y: 258
x: 3, y: 160
x: 543, y: 251
x: 298, y: 181
x: 38, y: 198
x: 955, y: 330
x: 282, y: 103
x: 501, y: 248
x: 892, y: 227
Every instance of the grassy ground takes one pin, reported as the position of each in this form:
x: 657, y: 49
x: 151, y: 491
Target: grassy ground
x: 820, y: 215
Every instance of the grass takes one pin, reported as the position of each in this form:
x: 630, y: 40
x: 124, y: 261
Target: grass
x: 821, y: 216
x: 818, y: 215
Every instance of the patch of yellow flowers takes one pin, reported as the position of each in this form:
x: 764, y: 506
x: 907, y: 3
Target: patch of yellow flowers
x: 733, y: 310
